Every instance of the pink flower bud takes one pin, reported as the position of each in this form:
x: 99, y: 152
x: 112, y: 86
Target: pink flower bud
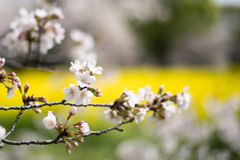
x: 43, y: 99
x: 37, y: 110
x: 68, y: 145
x: 26, y: 87
x: 12, y: 74
x: 74, y: 143
x: 69, y: 151
x: 16, y: 79
x: 73, y: 111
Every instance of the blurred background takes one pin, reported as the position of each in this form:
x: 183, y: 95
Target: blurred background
x: 138, y: 43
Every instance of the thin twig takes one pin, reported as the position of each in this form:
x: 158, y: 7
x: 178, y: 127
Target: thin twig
x: 14, y: 124
x: 109, y: 129
x: 51, y: 104
x: 59, y: 137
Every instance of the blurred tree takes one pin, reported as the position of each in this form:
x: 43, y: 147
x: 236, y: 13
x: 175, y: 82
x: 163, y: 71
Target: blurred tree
x: 183, y: 17
x: 230, y: 15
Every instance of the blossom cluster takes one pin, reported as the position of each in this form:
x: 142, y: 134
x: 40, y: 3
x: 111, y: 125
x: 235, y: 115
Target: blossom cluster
x: 30, y: 26
x: 9, y: 80
x: 85, y: 77
x: 83, y: 46
x: 163, y: 105
x: 214, y: 137
x: 69, y: 137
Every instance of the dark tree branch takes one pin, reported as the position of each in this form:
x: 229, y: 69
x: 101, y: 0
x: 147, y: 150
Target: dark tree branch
x: 58, y: 139
x: 52, y: 104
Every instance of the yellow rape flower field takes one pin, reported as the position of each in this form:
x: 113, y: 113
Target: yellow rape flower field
x: 201, y: 81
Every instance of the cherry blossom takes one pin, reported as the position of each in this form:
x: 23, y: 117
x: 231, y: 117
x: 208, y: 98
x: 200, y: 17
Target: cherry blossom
x: 2, y: 133
x: 169, y: 109
x: 59, y: 33
x: 77, y: 66
x: 50, y: 120
x: 71, y: 92
x: 84, y: 128
x: 185, y: 100
x: 40, y: 13
x: 92, y: 67
x: 84, y: 97
x: 84, y: 41
x: 146, y: 93
x: 139, y: 117
x: 2, y: 62
x: 84, y: 79
x: 25, y: 21
x: 132, y: 98
x: 73, y: 111
x: 113, y: 115
x: 56, y: 13
x: 12, y: 39
x: 10, y: 92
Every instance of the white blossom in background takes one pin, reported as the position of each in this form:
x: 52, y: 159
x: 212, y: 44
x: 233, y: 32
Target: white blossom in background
x: 40, y: 13
x: 83, y: 46
x: 137, y: 149
x: 50, y: 120
x: 56, y: 12
x: 77, y: 66
x: 84, y: 128
x: 84, y: 97
x: 2, y: 133
x: 77, y: 53
x: 46, y: 42
x: 84, y: 79
x: 2, y: 62
x: 139, y: 117
x: 11, y: 40
x: 71, y: 92
x: 59, y: 33
x: 92, y: 67
x: 27, y: 23
x: 184, y: 101
x: 112, y: 115
x: 83, y: 41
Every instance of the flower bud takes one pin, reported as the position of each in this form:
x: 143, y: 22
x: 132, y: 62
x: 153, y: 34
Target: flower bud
x: 16, y: 79
x: 12, y: 74
x: 96, y: 92
x: 73, y: 110
x: 68, y: 145
x: 74, y: 143
x: 161, y: 89
x: 69, y: 151
x: 26, y: 87
x: 42, y: 99
x: 37, y: 110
